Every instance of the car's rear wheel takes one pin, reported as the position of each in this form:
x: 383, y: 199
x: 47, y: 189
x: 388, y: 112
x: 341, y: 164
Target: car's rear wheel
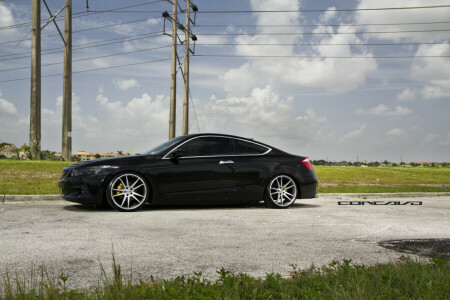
x: 127, y: 192
x: 281, y: 192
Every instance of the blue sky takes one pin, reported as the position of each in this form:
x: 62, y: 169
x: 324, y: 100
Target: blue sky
x: 315, y: 105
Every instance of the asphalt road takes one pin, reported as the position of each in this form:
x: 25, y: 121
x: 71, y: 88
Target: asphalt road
x: 170, y: 241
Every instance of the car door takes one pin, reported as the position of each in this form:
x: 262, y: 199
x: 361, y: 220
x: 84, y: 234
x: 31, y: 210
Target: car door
x: 253, y: 168
x: 205, y: 172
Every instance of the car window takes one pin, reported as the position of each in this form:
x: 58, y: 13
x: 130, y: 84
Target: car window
x: 247, y: 148
x: 207, y: 146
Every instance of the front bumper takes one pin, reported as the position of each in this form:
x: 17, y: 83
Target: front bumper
x: 83, y: 189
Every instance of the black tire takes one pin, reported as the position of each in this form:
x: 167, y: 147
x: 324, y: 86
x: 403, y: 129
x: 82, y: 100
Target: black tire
x: 127, y: 191
x: 281, y: 192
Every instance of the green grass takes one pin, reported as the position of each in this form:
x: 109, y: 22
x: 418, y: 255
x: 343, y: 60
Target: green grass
x: 41, y: 177
x: 30, y: 177
x: 402, y: 279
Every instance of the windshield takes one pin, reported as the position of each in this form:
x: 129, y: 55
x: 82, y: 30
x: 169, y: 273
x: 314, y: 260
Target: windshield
x: 164, y: 146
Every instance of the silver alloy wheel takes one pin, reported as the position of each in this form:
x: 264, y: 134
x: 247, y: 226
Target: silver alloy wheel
x: 128, y: 191
x: 282, y: 191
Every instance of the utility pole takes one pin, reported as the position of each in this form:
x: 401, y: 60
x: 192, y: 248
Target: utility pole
x: 35, y: 93
x: 67, y: 84
x: 186, y: 70
x: 173, y: 82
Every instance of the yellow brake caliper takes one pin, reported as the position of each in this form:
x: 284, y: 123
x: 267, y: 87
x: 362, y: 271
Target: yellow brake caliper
x: 120, y: 187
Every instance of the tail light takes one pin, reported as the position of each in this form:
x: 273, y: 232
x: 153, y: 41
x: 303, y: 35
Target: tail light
x: 307, y: 163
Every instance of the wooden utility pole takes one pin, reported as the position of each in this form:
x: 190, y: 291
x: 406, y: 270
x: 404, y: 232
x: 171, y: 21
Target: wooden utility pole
x: 186, y: 70
x: 173, y: 82
x: 67, y: 85
x: 35, y: 93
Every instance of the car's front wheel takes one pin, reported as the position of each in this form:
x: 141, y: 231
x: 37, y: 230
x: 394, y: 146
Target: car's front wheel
x: 127, y: 192
x: 281, y: 192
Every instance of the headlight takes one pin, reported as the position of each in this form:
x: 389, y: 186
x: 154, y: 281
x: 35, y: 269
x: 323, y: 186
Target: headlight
x: 91, y: 170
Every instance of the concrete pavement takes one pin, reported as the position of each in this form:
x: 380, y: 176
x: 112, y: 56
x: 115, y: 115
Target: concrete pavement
x: 171, y: 241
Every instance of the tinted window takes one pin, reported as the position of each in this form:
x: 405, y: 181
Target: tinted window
x: 207, y: 146
x: 243, y: 147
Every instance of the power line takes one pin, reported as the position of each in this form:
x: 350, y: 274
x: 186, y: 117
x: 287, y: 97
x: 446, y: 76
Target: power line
x: 245, y: 44
x: 321, y: 10
x: 314, y: 25
x: 82, y: 30
x: 327, y: 33
x: 90, y: 70
x: 314, y: 56
x: 83, y: 14
x: 96, y: 44
x: 322, y: 44
x: 193, y: 107
x: 90, y: 58
x: 301, y: 10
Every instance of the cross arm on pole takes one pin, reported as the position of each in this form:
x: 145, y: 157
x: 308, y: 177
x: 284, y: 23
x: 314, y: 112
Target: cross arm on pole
x: 52, y: 18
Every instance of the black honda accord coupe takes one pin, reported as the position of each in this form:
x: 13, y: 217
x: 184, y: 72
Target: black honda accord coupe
x: 196, y: 168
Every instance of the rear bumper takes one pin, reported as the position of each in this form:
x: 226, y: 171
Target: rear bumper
x: 82, y: 189
x: 308, y: 190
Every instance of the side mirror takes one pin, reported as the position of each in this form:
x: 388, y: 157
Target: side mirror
x: 177, y: 153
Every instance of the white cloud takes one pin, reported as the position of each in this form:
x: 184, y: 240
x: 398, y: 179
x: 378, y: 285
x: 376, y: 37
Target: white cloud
x: 6, y: 16
x: 263, y: 115
x: 407, y: 94
x: 404, y: 16
x: 323, y: 72
x: 355, y: 134
x: 436, y: 90
x: 328, y: 15
x: 395, y: 132
x: 125, y: 84
x: 383, y: 110
x: 7, y: 108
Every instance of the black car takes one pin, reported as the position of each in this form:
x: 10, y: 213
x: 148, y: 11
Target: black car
x: 196, y: 168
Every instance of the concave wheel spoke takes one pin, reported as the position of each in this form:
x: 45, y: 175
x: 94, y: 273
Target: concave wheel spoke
x: 134, y: 183
x: 136, y: 199
x: 132, y: 193
x: 282, y: 190
x: 123, y: 183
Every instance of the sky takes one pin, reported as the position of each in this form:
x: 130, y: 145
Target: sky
x: 310, y: 101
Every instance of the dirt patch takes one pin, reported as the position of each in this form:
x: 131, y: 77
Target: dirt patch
x: 422, y: 247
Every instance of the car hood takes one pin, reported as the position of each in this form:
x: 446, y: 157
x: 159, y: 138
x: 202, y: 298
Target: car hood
x: 116, y: 161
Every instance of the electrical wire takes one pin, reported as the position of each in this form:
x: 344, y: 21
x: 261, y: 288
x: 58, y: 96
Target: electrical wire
x: 301, y: 10
x: 193, y: 108
x: 322, y: 10
x: 314, y: 25
x: 90, y: 58
x: 322, y: 44
x: 81, y: 30
x: 96, y: 44
x: 82, y: 14
x: 90, y: 70
x: 320, y: 57
x: 325, y: 33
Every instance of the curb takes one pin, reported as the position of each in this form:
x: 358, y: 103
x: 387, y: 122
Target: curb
x: 14, y: 198
x: 24, y: 198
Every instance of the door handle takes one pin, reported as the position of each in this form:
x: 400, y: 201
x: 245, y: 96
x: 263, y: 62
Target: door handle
x: 222, y: 162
